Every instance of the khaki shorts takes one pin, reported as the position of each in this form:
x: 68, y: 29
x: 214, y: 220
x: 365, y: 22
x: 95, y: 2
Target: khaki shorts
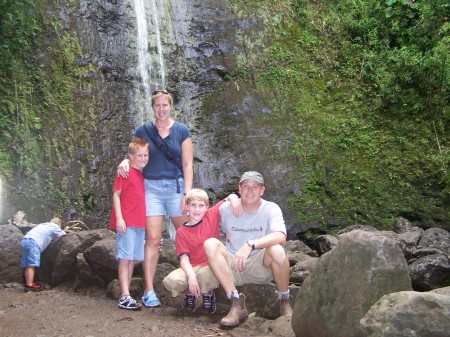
x: 254, y: 271
x: 176, y: 282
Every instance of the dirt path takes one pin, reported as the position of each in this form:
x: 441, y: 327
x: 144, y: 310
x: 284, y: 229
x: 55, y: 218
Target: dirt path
x: 60, y: 312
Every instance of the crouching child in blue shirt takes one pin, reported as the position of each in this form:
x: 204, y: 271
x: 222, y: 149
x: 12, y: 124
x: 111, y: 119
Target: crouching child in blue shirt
x: 33, y: 244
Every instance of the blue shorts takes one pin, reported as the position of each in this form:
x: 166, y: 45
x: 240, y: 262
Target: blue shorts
x: 30, y: 253
x: 161, y: 197
x: 130, y: 245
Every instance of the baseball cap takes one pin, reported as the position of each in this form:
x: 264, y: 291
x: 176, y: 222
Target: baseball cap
x: 252, y: 175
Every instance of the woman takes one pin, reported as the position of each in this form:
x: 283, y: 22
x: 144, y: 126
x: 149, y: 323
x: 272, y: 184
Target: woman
x: 168, y: 177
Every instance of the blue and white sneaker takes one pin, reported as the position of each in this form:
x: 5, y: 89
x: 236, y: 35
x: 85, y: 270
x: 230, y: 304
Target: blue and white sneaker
x: 128, y: 303
x: 150, y: 300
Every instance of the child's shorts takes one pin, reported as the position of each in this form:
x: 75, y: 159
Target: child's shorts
x: 130, y: 245
x: 30, y: 253
x: 177, y: 282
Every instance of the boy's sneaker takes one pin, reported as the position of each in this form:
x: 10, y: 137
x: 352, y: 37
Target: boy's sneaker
x: 190, y: 302
x: 129, y: 303
x: 150, y: 300
x: 209, y: 303
x: 33, y: 287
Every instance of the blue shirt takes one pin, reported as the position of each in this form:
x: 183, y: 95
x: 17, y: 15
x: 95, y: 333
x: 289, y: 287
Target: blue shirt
x: 159, y: 167
x: 44, y: 233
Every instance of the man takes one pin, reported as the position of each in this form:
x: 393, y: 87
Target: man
x: 253, y: 251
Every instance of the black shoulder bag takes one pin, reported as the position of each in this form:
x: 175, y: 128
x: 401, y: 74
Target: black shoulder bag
x: 161, y: 145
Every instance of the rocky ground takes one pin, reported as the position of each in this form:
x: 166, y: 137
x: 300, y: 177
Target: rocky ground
x: 60, y: 312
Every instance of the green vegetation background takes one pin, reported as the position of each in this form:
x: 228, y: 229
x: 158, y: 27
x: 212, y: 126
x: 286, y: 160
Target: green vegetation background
x: 361, y: 89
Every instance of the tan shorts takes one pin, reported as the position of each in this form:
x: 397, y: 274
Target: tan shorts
x: 254, y: 271
x: 176, y: 282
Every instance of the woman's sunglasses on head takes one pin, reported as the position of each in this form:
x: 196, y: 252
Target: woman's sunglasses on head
x: 160, y: 92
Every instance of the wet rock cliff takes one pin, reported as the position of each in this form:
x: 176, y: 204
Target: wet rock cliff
x: 192, y: 51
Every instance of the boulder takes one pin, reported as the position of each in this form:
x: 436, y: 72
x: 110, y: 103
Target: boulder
x: 10, y: 270
x: 351, y: 228
x: 325, y: 243
x: 402, y: 225
x: 136, y: 288
x: 66, y: 256
x: 430, y: 272
x: 346, y: 282
x: 409, y: 313
x: 262, y: 299
x: 85, y: 277
x: 297, y: 246
x: 436, y: 238
x: 101, y: 257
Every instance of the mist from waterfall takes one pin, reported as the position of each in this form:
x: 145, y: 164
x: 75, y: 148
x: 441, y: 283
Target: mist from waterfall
x: 151, y: 67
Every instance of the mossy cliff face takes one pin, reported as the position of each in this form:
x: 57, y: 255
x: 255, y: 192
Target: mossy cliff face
x: 88, y: 58
x: 86, y: 109
x: 262, y: 86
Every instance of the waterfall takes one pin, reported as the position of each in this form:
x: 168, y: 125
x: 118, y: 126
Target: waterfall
x: 151, y: 67
x: 143, y: 62
x: 162, y: 71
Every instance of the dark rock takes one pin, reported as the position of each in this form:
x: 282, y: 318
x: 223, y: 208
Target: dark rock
x: 366, y: 228
x: 86, y: 278
x: 409, y: 313
x: 436, y: 238
x: 402, y: 226
x: 325, y: 243
x: 136, y: 288
x: 346, y: 282
x: 73, y: 244
x: 430, y: 272
x: 10, y: 270
x: 101, y: 256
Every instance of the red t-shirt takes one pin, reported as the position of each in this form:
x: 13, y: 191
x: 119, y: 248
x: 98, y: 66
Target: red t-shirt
x: 132, y: 200
x: 189, y: 239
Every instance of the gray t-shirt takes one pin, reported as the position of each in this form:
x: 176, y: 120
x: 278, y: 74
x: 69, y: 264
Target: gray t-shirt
x: 44, y: 233
x: 238, y: 230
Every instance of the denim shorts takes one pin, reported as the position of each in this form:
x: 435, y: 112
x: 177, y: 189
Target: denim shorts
x: 30, y: 253
x: 161, y: 197
x: 130, y: 245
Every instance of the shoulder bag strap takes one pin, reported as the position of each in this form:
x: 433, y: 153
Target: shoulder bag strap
x: 161, y: 145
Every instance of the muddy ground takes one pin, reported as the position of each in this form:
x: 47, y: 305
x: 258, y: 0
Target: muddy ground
x: 60, y: 312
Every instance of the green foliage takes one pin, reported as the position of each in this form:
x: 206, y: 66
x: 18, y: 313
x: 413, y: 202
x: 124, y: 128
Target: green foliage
x: 17, y: 26
x: 18, y: 118
x: 36, y: 163
x: 365, y: 89
x: 361, y: 89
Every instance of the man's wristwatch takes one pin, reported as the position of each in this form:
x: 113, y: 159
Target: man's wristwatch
x: 251, y: 243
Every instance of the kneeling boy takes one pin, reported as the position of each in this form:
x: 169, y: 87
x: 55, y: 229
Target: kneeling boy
x: 194, y: 277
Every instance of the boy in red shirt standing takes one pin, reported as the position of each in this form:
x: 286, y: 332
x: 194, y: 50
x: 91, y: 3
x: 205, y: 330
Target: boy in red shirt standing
x: 194, y: 277
x: 128, y: 219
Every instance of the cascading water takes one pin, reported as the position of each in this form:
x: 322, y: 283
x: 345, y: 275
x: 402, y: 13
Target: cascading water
x: 152, y: 73
x: 143, y: 62
x: 161, y: 75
